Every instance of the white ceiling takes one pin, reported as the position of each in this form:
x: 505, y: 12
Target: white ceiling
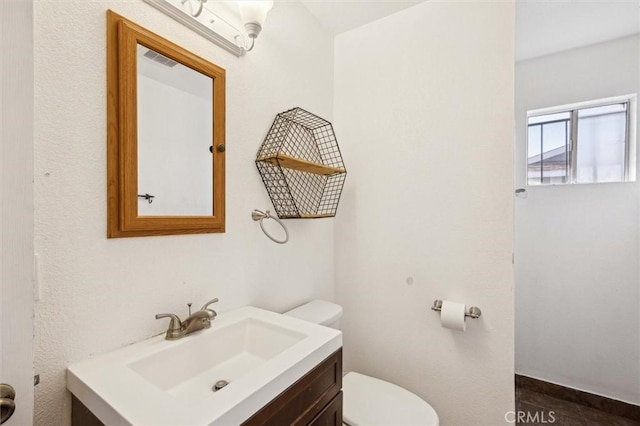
x: 339, y: 16
x: 542, y: 26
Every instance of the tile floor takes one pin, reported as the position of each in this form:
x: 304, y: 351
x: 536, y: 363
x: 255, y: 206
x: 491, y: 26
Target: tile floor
x: 541, y: 409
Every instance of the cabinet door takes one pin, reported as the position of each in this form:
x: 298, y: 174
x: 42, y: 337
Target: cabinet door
x: 302, y: 401
x: 331, y: 415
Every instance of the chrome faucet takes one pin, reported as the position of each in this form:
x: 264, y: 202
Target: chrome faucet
x: 194, y: 322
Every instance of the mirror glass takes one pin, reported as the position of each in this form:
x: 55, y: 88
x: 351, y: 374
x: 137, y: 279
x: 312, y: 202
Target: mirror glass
x: 175, y: 135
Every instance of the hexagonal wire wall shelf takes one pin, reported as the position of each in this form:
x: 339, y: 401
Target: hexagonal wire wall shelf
x: 301, y: 166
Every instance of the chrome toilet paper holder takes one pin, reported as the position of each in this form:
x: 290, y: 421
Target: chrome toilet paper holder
x: 472, y: 312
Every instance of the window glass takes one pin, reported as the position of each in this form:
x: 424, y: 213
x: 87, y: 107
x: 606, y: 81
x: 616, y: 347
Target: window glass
x: 548, y: 149
x: 585, y: 143
x: 601, y: 153
x: 534, y: 171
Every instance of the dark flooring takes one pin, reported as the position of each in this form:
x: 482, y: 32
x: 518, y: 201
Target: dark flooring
x: 534, y: 408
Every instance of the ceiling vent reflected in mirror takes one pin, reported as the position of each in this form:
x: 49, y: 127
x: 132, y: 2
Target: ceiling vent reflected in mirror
x: 157, y: 57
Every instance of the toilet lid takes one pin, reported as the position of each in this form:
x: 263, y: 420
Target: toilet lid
x: 318, y: 312
x: 374, y: 402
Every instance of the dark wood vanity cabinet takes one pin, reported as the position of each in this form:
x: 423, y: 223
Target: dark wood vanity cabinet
x: 81, y: 415
x: 331, y: 415
x: 314, y: 400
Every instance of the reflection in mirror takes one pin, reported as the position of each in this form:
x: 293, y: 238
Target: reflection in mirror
x: 175, y: 132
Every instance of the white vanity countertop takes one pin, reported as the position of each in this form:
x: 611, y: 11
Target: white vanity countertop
x: 128, y: 386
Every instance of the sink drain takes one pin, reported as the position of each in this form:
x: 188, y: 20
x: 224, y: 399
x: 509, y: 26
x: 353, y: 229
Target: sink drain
x: 219, y: 385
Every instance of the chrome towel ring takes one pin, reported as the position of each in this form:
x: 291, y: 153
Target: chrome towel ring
x: 258, y: 215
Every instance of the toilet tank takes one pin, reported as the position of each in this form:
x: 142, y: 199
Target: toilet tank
x: 319, y: 312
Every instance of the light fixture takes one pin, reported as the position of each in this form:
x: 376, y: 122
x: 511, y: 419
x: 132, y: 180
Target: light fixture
x: 198, y: 11
x: 254, y: 13
x: 222, y: 25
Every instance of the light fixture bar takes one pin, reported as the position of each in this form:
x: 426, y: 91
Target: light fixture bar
x: 196, y: 24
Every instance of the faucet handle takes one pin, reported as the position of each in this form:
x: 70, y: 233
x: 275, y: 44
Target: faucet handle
x: 175, y: 323
x: 175, y: 326
x: 206, y: 305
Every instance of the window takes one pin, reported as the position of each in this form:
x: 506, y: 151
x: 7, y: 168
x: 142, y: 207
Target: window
x: 582, y: 143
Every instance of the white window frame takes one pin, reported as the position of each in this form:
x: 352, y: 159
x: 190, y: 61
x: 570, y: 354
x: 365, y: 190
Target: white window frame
x: 630, y: 148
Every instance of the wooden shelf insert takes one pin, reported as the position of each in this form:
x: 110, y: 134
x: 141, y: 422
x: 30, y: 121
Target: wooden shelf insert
x: 308, y: 216
x: 289, y: 162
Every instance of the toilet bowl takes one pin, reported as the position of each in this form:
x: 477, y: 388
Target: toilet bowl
x: 369, y: 401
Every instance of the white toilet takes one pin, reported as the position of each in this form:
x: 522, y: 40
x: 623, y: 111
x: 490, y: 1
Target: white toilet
x: 369, y: 401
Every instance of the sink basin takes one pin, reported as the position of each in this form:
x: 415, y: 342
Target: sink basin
x: 190, y: 370
x: 257, y: 352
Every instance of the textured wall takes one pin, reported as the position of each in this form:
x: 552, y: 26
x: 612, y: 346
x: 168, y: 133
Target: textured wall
x: 100, y: 294
x: 577, y: 259
x: 424, y: 104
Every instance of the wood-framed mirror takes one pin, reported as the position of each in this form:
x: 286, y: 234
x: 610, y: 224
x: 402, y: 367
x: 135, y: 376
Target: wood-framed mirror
x: 165, y: 136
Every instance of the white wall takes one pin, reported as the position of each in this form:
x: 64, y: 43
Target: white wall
x: 100, y: 294
x: 16, y: 204
x: 577, y: 247
x: 424, y: 114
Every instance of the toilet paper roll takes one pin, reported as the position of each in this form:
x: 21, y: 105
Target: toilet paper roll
x: 452, y: 315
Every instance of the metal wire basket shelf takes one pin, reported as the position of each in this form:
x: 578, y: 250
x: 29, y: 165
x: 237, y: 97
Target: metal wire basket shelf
x: 301, y: 166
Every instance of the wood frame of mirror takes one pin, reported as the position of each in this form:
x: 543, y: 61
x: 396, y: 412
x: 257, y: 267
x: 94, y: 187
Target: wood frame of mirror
x: 123, y: 220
